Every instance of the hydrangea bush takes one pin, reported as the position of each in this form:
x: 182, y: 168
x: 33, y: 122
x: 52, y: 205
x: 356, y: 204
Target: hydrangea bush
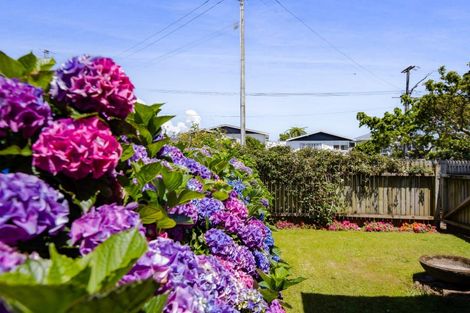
x: 98, y: 206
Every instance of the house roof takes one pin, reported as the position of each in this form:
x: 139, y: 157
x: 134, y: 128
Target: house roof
x: 320, y: 136
x: 232, y: 129
x: 363, y: 137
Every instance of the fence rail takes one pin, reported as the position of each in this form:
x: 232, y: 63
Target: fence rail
x: 445, y: 195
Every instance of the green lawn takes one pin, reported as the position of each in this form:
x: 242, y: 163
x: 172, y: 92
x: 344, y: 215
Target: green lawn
x: 364, y: 272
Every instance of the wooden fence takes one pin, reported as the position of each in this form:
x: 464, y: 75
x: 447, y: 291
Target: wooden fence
x: 442, y: 195
x: 455, y: 193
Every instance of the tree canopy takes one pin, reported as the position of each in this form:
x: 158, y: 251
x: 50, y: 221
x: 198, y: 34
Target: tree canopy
x: 437, y: 125
x: 292, y: 132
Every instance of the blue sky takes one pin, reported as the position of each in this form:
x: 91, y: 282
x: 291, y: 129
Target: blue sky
x: 282, y: 55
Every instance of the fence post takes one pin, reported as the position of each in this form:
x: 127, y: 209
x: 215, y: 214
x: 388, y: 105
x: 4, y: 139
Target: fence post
x: 437, y: 178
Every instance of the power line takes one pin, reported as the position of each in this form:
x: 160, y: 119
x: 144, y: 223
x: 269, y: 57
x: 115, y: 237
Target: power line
x: 176, y: 29
x: 193, y: 44
x: 279, y: 94
x: 165, y: 28
x: 331, y: 45
x: 301, y: 115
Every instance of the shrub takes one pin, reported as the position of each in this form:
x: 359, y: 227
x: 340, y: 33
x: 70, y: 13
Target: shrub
x: 99, y: 208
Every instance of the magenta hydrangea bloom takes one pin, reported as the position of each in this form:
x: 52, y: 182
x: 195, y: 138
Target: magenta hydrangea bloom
x: 100, y: 223
x: 22, y: 108
x: 77, y: 148
x: 94, y: 84
x: 235, y: 206
x: 9, y: 258
x: 29, y: 207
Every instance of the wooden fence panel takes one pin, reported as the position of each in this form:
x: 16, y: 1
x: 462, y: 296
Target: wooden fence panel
x: 445, y: 194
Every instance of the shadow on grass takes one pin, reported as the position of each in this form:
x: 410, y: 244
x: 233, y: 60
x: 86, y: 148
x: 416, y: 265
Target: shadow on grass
x: 319, y: 303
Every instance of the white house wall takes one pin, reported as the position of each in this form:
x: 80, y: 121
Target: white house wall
x: 259, y: 137
x: 325, y: 145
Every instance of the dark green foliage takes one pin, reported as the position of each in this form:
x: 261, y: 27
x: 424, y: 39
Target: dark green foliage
x: 87, y: 284
x: 436, y: 126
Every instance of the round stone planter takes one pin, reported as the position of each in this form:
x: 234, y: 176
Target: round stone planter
x: 447, y: 268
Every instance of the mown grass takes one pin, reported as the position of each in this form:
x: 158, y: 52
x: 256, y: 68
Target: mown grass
x: 351, y: 272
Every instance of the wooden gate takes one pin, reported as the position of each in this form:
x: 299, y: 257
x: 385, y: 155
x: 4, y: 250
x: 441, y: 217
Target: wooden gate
x: 455, y: 193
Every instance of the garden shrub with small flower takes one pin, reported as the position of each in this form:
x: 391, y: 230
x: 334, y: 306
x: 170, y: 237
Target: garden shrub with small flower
x: 99, y: 211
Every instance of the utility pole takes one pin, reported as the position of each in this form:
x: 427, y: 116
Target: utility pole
x: 242, y: 74
x: 406, y: 102
x: 407, y: 92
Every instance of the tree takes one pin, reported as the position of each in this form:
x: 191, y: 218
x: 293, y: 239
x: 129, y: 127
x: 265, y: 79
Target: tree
x: 436, y: 126
x: 292, y: 132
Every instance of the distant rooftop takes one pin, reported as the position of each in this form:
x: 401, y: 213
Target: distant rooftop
x: 232, y: 129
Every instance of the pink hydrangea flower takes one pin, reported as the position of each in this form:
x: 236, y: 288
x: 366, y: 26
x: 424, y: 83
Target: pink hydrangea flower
x: 77, y: 148
x: 94, y: 84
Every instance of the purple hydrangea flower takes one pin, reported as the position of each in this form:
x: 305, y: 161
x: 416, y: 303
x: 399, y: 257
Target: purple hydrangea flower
x: 22, y: 108
x: 220, y: 244
x: 187, y: 209
x: 194, y: 185
x: 100, y: 223
x: 94, y: 84
x: 207, y: 207
x: 191, y: 284
x: 265, y: 202
x: 228, y: 221
x: 29, y: 207
x: 239, y: 165
x: 275, y: 307
x: 253, y: 234
x: 9, y: 258
x: 140, y: 154
x: 177, y: 157
x: 262, y: 261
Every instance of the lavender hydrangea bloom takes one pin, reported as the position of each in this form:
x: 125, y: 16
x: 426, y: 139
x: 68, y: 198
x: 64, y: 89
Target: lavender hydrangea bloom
x: 9, y: 258
x: 275, y: 307
x: 94, y: 84
x: 177, y: 157
x: 29, y: 207
x: 216, y: 280
x: 22, y: 108
x: 194, y: 185
x: 207, y: 207
x: 140, y: 154
x: 265, y: 202
x: 220, y: 244
x: 239, y: 165
x: 253, y: 301
x: 262, y: 261
x: 100, y: 223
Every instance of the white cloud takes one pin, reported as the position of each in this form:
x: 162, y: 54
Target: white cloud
x: 192, y: 118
